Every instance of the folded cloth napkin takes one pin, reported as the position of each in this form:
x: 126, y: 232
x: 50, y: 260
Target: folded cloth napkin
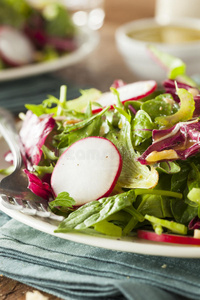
x: 77, y: 271
x: 14, y: 94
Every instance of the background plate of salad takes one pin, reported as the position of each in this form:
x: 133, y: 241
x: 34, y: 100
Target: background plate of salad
x: 35, y: 40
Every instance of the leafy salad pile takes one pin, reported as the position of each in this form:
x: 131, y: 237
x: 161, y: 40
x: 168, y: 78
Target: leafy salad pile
x: 48, y: 28
x: 158, y: 138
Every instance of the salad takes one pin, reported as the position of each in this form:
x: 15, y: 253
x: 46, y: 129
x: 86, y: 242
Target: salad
x: 31, y: 34
x: 125, y: 162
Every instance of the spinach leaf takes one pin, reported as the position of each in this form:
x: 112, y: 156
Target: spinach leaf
x: 157, y: 107
x: 156, y: 205
x: 182, y: 212
x: 96, y: 211
x: 179, y: 180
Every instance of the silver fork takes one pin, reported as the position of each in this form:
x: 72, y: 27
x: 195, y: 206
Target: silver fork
x: 14, y: 192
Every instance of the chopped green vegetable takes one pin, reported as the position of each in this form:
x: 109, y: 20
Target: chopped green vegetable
x: 174, y: 65
x: 194, y: 195
x: 108, y: 228
x: 171, y: 225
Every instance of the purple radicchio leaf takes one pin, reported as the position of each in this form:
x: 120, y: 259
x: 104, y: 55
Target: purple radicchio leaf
x: 170, y: 88
x: 39, y: 187
x: 197, y: 106
x: 183, y: 138
x: 194, y: 223
x: 33, y: 135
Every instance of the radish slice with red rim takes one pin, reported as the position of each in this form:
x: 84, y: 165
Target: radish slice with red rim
x: 127, y: 92
x: 15, y: 47
x: 167, y: 238
x: 88, y: 170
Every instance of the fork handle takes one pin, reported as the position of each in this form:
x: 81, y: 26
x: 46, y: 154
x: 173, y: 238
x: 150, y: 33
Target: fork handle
x: 10, y: 134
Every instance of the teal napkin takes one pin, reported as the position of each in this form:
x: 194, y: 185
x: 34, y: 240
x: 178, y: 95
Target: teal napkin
x: 77, y: 271
x: 15, y: 94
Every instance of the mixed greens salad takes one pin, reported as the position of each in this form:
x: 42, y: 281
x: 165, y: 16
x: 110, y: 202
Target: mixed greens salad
x: 36, y: 33
x: 154, y: 134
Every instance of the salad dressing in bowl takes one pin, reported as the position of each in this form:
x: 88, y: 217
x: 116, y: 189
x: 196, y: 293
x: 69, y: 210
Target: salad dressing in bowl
x: 179, y: 37
x: 167, y: 34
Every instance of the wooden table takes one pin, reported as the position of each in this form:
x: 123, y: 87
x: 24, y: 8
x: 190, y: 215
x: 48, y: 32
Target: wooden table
x: 99, y: 70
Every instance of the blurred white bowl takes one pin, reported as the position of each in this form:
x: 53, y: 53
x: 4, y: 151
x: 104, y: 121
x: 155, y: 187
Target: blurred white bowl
x: 137, y: 57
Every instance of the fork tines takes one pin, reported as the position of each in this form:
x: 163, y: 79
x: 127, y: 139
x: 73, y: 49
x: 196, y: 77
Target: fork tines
x: 28, y: 207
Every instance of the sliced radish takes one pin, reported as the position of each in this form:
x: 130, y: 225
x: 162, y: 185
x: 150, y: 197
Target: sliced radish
x: 131, y: 91
x: 167, y: 238
x: 15, y: 48
x: 88, y: 170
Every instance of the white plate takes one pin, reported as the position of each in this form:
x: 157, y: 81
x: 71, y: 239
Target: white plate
x: 131, y: 244
x: 87, y: 41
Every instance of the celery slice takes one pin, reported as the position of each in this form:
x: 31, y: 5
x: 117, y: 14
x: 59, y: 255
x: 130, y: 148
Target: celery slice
x: 173, y: 226
x: 185, y: 112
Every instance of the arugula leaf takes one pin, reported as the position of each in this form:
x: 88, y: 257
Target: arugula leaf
x: 81, y: 124
x: 45, y: 107
x: 51, y: 105
x: 63, y: 200
x: 92, y: 129
x: 72, y: 133
x: 96, y: 211
x: 48, y: 154
x: 79, y: 104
